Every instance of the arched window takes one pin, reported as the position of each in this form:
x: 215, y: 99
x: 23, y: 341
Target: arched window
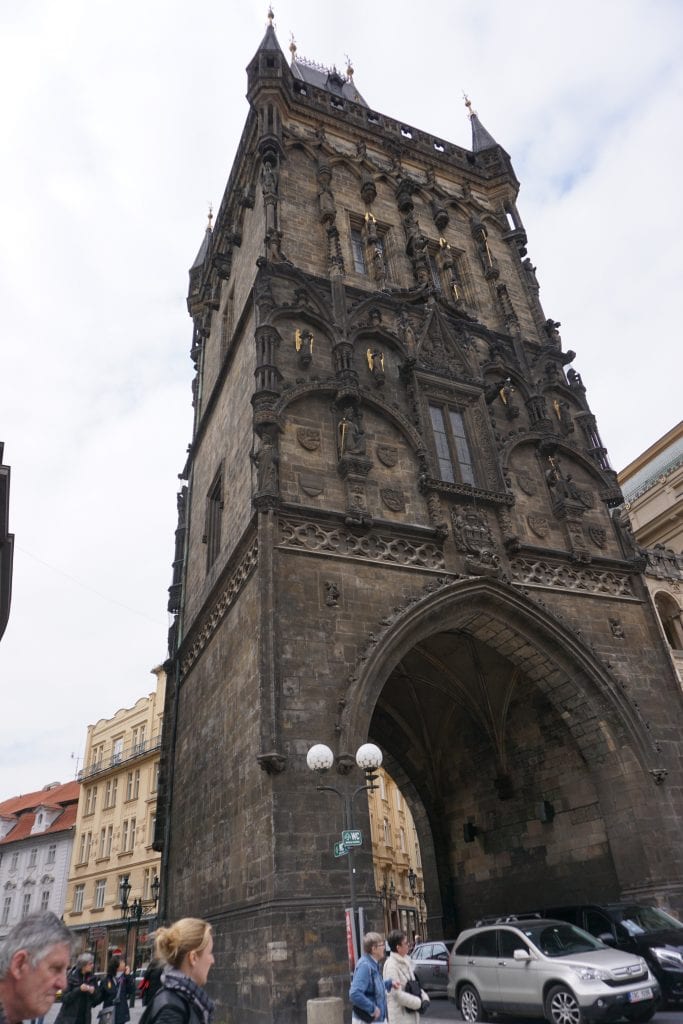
x: 670, y: 617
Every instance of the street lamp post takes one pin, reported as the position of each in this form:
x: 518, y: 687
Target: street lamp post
x: 368, y: 758
x: 131, y: 913
x: 419, y: 894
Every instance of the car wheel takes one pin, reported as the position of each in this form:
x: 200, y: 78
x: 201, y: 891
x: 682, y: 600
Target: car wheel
x: 561, y: 1007
x: 470, y: 1004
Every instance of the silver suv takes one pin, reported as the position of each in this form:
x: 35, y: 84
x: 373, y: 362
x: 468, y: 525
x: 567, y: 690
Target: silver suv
x: 534, y: 967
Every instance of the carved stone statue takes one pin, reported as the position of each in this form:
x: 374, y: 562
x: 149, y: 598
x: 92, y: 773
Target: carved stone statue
x: 350, y: 433
x: 375, y: 359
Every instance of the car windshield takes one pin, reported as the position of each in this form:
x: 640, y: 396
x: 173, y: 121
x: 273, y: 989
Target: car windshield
x: 640, y: 920
x: 561, y: 939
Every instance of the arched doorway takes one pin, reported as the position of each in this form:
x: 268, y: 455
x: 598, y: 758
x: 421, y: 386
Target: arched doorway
x: 516, y: 750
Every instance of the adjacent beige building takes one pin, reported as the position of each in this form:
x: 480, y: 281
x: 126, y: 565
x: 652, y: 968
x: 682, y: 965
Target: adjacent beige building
x: 653, y: 492
x: 396, y: 857
x: 115, y: 830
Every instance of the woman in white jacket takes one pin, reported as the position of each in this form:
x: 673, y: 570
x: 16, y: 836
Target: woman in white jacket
x: 402, y: 1006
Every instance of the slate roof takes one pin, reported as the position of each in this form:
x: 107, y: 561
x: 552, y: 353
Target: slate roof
x: 326, y: 78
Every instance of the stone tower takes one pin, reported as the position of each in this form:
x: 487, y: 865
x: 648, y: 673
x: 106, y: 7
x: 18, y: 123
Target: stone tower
x: 397, y: 525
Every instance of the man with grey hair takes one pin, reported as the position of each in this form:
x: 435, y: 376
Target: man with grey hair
x: 34, y: 957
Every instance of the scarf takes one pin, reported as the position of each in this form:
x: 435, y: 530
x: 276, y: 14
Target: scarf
x: 176, y: 981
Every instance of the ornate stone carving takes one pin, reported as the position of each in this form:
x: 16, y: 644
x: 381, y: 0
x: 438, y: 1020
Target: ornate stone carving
x: 393, y: 499
x: 373, y: 546
x: 472, y: 534
x: 331, y: 594
x: 602, y: 583
x: 617, y: 629
x: 312, y: 484
x: 272, y: 763
x: 350, y: 433
x: 598, y: 534
x: 226, y: 599
x: 387, y: 454
x: 526, y: 482
x: 308, y: 438
x: 538, y: 525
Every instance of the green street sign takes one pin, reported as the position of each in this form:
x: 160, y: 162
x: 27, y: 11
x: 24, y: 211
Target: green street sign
x: 352, y: 837
x: 340, y: 849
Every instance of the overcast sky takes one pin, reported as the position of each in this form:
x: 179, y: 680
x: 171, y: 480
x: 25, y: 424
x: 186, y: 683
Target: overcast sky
x: 119, y: 124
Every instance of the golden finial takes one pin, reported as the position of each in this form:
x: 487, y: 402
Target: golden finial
x: 292, y: 45
x: 210, y: 215
x: 271, y: 16
x: 468, y: 104
x: 349, y: 67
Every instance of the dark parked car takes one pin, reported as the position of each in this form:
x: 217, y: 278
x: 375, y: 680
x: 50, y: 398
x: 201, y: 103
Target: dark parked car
x: 646, y: 931
x: 430, y: 963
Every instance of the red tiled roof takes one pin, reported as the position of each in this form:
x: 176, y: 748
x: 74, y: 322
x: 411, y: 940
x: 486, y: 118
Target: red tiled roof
x: 64, y: 798
x: 62, y: 794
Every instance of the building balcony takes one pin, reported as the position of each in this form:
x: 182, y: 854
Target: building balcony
x: 127, y: 755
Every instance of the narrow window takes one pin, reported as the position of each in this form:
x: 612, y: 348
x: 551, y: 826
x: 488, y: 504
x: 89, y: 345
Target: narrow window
x: 214, y: 508
x: 45, y: 899
x: 78, y: 899
x: 33, y: 858
x: 6, y: 907
x: 51, y: 853
x: 452, y: 448
x: 26, y: 905
x: 100, y: 888
x: 358, y: 252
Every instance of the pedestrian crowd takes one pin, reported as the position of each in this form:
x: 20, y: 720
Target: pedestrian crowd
x: 34, y: 970
x: 393, y: 994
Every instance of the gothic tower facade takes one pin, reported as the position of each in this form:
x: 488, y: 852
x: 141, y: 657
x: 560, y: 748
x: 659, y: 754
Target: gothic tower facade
x: 397, y: 524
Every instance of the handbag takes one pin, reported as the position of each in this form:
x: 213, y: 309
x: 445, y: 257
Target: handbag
x: 413, y: 987
x: 361, y: 1014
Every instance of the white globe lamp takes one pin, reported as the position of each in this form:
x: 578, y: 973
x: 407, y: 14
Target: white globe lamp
x: 319, y: 758
x: 368, y: 757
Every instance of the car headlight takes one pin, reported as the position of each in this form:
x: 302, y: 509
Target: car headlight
x: 591, y: 974
x: 668, y: 958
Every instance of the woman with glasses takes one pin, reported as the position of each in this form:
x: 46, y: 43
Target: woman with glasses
x: 368, y: 992
x: 403, y: 1007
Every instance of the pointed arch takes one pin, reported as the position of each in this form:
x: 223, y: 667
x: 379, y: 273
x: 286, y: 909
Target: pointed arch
x: 604, y: 723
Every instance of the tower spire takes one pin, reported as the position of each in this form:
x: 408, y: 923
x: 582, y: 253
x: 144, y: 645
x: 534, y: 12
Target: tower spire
x: 481, y: 139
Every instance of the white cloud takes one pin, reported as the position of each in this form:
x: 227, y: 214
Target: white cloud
x: 120, y: 123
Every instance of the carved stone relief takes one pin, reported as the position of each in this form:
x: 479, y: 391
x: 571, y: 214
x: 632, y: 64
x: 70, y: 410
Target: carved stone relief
x: 393, y: 499
x: 387, y: 454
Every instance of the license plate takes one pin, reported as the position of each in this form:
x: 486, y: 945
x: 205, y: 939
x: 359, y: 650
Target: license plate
x: 640, y: 994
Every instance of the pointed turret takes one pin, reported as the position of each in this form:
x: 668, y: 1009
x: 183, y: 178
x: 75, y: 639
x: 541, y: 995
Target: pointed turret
x: 204, y: 247
x: 481, y: 139
x: 268, y: 63
x: 198, y: 265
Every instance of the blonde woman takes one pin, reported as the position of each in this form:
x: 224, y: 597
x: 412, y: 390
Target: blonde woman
x: 403, y: 1007
x: 186, y: 948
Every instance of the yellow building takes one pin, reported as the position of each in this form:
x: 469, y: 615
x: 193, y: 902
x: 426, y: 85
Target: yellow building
x: 653, y: 492
x: 396, y: 858
x: 115, y: 831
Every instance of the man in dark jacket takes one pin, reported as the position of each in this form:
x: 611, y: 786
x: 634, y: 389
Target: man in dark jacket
x: 81, y: 993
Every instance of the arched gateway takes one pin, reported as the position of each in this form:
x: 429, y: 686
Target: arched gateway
x: 397, y: 523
